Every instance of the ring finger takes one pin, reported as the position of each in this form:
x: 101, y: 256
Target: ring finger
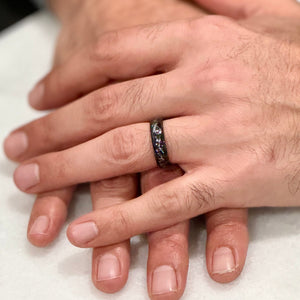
x: 121, y: 151
x: 110, y: 264
x: 113, y: 106
x: 168, y: 248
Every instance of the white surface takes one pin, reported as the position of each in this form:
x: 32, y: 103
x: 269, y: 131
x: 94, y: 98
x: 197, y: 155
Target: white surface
x: 62, y: 271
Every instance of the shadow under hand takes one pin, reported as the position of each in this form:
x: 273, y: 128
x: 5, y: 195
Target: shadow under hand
x: 81, y: 203
x: 197, y: 237
x: 138, y: 251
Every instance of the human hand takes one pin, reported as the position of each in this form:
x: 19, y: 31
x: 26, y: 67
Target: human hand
x: 225, y: 227
x: 225, y: 94
x: 84, y: 21
x: 65, y: 152
x: 214, y: 184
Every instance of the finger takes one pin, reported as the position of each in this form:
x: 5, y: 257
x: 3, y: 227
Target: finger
x: 111, y: 263
x: 244, y: 8
x: 170, y: 203
x: 118, y: 152
x: 48, y: 215
x: 113, y: 106
x: 127, y: 54
x: 227, y: 243
x: 168, y: 262
x: 168, y: 248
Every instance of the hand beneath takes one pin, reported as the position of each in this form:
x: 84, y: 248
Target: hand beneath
x: 84, y: 21
x: 226, y: 228
x: 227, y: 88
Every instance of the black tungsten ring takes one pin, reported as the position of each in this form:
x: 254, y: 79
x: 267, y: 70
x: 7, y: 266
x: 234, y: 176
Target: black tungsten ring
x: 159, y: 143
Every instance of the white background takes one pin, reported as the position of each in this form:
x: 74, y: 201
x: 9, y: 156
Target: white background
x: 62, y: 271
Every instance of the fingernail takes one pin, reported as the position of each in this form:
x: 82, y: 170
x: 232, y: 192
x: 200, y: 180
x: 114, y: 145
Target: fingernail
x: 108, y: 267
x: 84, y: 232
x: 164, y: 280
x: 27, y: 176
x: 40, y: 225
x: 223, y: 261
x: 16, y: 144
x: 36, y: 95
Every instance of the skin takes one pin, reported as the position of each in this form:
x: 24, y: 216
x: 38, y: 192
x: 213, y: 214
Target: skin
x: 84, y: 21
x: 173, y: 239
x: 227, y: 228
x: 212, y: 177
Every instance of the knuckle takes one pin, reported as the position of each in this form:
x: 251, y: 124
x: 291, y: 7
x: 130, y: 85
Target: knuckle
x: 117, y: 183
x: 218, y: 73
x: 100, y: 107
x: 139, y: 93
x: 269, y: 153
x: 134, y: 94
x: 63, y: 165
x: 124, y: 146
x: 208, y: 75
x: 229, y: 228
x: 220, y: 78
x: 43, y: 131
x: 106, y: 48
x: 152, y: 32
x: 169, y: 204
x: 272, y: 152
x: 174, y: 243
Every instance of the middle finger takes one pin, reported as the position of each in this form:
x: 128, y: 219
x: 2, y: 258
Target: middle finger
x: 113, y: 106
x: 111, y: 263
x: 121, y: 151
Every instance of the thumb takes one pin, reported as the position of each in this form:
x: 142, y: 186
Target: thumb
x: 242, y: 9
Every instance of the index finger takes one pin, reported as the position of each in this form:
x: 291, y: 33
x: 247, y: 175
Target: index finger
x: 119, y: 55
x: 159, y: 208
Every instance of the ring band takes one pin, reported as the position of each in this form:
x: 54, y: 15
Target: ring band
x: 159, y: 143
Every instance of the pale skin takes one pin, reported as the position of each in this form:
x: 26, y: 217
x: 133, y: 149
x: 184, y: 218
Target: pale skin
x: 227, y: 228
x: 216, y: 115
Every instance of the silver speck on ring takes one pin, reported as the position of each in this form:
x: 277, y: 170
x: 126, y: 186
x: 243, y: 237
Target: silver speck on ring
x: 159, y: 143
